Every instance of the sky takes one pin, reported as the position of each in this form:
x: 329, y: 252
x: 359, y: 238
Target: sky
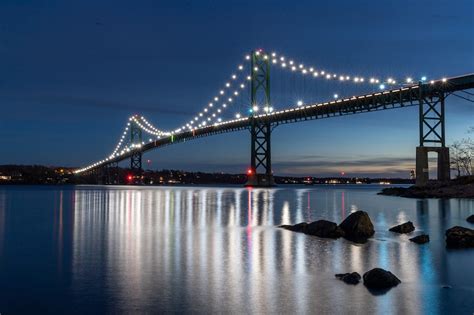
x: 72, y: 72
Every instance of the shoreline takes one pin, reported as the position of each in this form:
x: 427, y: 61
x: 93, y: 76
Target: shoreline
x: 462, y: 187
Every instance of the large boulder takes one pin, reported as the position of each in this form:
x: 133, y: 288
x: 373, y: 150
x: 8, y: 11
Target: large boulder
x: 459, y: 237
x: 406, y: 227
x: 420, y: 239
x: 323, y: 228
x: 349, y: 278
x: 470, y: 218
x: 357, y: 226
x: 379, y: 278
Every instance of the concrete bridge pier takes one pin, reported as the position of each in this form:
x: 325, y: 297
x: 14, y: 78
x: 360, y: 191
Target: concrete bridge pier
x: 422, y: 167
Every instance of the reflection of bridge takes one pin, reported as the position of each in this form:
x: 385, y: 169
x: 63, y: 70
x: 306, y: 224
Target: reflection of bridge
x: 428, y: 96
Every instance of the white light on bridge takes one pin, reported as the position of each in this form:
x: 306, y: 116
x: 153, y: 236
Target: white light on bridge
x: 299, y: 103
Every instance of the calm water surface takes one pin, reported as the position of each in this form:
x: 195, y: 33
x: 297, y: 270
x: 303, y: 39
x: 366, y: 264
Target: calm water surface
x: 216, y: 249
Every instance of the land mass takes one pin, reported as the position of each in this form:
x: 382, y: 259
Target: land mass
x: 56, y: 175
x: 461, y: 187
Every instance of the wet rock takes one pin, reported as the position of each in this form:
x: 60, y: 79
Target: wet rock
x: 470, y: 218
x: 323, y: 228
x: 420, y: 239
x: 300, y: 227
x: 459, y: 237
x: 379, y: 278
x: 349, y: 278
x: 406, y: 227
x: 357, y: 226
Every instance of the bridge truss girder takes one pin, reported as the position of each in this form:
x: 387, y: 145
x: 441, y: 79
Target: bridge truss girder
x: 136, y: 155
x: 432, y: 119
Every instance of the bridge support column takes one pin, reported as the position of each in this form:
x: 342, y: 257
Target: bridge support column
x: 432, y: 132
x: 136, y: 157
x: 260, y: 156
x: 260, y: 173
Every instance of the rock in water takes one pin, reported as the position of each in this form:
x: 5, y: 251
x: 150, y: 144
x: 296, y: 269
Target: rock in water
x: 357, y: 226
x: 406, y: 227
x: 300, y: 227
x: 470, y: 218
x: 349, y: 278
x: 379, y: 278
x: 459, y: 237
x: 323, y: 228
x: 420, y: 239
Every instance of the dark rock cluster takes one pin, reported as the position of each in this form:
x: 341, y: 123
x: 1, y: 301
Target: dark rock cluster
x: 406, y: 227
x: 420, y: 239
x: 376, y: 279
x: 356, y: 227
x: 379, y: 278
x: 462, y: 187
x: 349, y: 278
x: 459, y: 237
x: 470, y: 218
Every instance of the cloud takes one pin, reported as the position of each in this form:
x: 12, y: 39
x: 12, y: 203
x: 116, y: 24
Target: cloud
x: 324, y: 166
x: 99, y: 103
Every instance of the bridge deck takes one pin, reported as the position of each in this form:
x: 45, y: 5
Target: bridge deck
x: 398, y: 98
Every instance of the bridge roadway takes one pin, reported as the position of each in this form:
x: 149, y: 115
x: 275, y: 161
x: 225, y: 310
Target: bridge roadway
x: 398, y: 98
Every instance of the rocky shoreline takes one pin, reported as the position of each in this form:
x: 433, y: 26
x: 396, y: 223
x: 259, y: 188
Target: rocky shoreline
x: 462, y: 187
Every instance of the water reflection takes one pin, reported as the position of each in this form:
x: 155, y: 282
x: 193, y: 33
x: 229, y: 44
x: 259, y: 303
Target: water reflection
x: 217, y: 250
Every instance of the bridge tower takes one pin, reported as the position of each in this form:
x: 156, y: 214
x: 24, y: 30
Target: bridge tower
x: 260, y: 173
x: 136, y: 157
x: 432, y: 134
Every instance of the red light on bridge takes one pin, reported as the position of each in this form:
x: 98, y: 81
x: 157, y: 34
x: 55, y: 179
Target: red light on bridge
x: 249, y: 171
x: 129, y: 177
x: 343, y: 173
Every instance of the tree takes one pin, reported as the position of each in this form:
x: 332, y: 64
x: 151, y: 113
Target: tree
x: 462, y: 156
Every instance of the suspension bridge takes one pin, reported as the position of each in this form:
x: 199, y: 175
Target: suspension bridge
x: 250, y: 97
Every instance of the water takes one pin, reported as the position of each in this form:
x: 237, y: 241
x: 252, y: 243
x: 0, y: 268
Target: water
x: 90, y: 250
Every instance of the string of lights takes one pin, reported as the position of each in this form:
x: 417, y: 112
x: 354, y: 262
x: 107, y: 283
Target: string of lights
x: 211, y: 114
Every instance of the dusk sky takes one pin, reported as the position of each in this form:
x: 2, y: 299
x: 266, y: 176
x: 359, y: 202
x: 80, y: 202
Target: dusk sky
x: 72, y: 72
